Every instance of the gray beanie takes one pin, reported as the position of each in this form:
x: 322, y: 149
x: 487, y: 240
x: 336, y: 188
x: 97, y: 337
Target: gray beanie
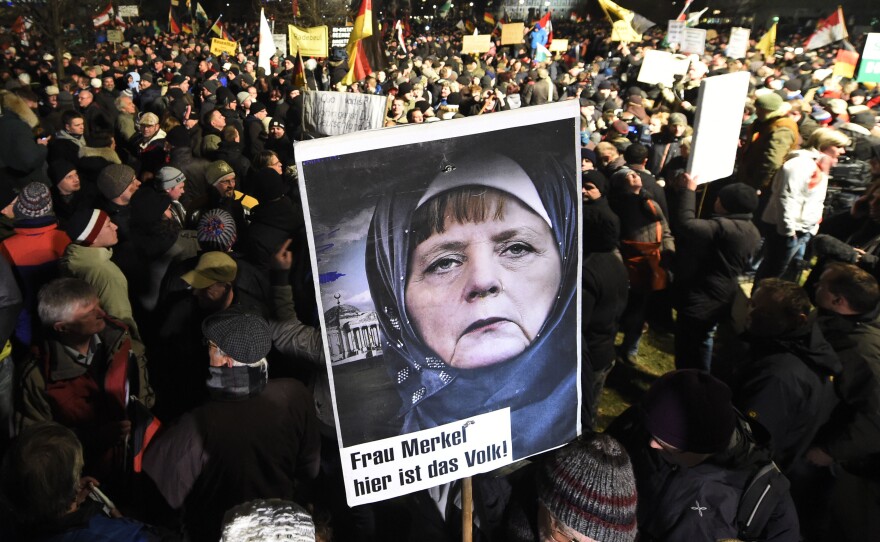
x: 114, y: 179
x: 168, y: 177
x: 590, y: 487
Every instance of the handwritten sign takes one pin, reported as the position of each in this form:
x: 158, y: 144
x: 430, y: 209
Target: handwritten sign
x: 476, y: 44
x: 512, y: 33
x: 693, y: 41
x: 739, y: 42
x: 335, y: 113
x: 675, y: 31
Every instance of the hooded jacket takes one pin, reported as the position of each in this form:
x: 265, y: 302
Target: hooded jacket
x: 798, y: 198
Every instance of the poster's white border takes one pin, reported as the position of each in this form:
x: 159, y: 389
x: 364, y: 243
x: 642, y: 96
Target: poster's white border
x: 411, y: 134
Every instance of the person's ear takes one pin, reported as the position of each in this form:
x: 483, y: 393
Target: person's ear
x: 59, y: 327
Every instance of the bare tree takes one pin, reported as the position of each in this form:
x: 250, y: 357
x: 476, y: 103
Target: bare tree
x: 311, y: 12
x: 49, y: 17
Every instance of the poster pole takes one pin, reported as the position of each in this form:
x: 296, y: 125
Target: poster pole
x: 467, y: 509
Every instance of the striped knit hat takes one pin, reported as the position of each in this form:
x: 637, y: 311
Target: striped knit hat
x: 216, y: 230
x: 85, y: 225
x: 34, y: 201
x: 590, y: 487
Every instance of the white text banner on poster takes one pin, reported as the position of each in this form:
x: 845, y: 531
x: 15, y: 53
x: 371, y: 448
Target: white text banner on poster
x: 717, y: 126
x: 336, y: 113
x: 396, y: 466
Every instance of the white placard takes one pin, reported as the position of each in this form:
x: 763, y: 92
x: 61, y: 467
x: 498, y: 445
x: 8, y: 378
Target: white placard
x: 336, y: 113
x: 128, y: 11
x: 738, y: 45
x: 717, y: 126
x: 280, y: 43
x: 674, y: 31
x: 396, y: 466
x: 662, y: 67
x: 693, y: 41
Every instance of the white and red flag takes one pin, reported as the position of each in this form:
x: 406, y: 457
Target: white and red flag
x: 828, y: 31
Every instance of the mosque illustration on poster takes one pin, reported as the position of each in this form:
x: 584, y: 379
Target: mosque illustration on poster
x: 352, y: 334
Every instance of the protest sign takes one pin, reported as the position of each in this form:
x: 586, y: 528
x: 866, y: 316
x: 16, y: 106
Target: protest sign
x: 624, y: 32
x: 675, y: 31
x: 280, y: 43
x: 115, y: 36
x: 512, y: 33
x: 559, y: 45
x: 476, y: 44
x: 738, y: 45
x: 662, y: 67
x: 845, y: 63
x: 427, y: 386
x: 869, y: 71
x: 309, y: 41
x: 717, y: 126
x: 219, y: 46
x: 693, y: 41
x: 339, y: 35
x: 128, y: 11
x: 334, y: 113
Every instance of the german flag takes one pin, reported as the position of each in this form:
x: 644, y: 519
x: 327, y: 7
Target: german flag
x: 173, y: 26
x: 364, y: 48
x: 488, y: 18
x: 299, y: 72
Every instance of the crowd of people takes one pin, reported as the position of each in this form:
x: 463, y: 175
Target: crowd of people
x: 155, y: 272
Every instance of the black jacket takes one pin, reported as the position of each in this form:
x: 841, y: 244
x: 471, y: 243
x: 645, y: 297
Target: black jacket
x: 194, y: 170
x: 710, y: 255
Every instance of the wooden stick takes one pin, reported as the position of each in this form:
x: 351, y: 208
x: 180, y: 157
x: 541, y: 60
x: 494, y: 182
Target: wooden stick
x: 467, y: 509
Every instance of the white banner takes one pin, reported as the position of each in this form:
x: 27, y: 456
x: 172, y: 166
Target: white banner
x: 662, y: 67
x: 128, y: 11
x: 280, y: 43
x: 675, y: 31
x: 717, y: 126
x: 336, y: 113
x: 738, y: 45
x: 693, y: 41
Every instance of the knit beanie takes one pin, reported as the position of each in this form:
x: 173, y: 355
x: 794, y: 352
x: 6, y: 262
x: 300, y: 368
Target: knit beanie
x: 168, y: 177
x: 114, y: 179
x: 59, y: 169
x: 34, y: 201
x: 256, y: 107
x: 690, y: 410
x: 242, y: 336
x: 241, y: 97
x: 769, y: 102
x: 218, y: 171
x: 267, y: 185
x: 178, y: 137
x: 268, y: 520
x: 738, y: 198
x: 590, y: 487
x: 216, y: 230
x: 85, y: 225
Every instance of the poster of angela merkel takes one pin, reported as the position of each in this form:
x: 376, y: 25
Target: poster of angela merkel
x: 448, y: 258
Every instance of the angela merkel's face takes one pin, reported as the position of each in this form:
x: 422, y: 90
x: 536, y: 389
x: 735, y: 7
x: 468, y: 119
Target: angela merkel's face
x: 479, y: 293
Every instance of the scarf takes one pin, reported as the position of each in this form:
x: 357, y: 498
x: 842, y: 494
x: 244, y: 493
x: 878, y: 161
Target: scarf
x: 238, y: 382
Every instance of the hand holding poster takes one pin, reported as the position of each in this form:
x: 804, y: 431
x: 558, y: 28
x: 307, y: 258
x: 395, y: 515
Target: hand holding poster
x: 717, y: 126
x: 335, y: 113
x: 309, y: 41
x: 693, y: 41
x: 436, y: 375
x: 219, y: 46
x: 512, y: 33
x: 476, y: 44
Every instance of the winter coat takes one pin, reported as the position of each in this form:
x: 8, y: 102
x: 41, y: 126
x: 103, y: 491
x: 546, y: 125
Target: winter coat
x: 710, y: 256
x: 798, y: 198
x: 769, y: 143
x: 788, y: 387
x: 194, y: 170
x: 22, y: 159
x: 99, y: 125
x: 700, y: 502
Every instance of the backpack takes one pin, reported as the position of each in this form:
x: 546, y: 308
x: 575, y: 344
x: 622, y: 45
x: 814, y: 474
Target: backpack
x: 642, y: 259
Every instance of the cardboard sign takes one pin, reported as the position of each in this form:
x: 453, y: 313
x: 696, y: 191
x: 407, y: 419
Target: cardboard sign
x: 662, y: 67
x: 412, y: 411
x: 220, y: 46
x: 309, y: 41
x: 280, y: 43
x: 512, y: 33
x: 115, y: 36
x: 675, y: 31
x: 717, y: 126
x: 335, y: 113
x: 128, y: 11
x: 624, y: 32
x: 693, y: 41
x: 845, y: 63
x: 869, y: 71
x: 559, y: 45
x: 476, y: 44
x: 738, y: 45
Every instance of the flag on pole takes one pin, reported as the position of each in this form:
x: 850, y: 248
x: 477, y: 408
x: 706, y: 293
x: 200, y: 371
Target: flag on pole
x: 267, y: 44
x: 693, y: 19
x: 219, y: 29
x: 365, y: 54
x: 488, y: 18
x: 299, y: 71
x: 767, y: 43
x: 173, y: 26
x: 103, y: 17
x: 296, y: 8
x: 546, y: 23
x: 828, y: 31
x: 626, y: 20
x: 469, y: 26
x: 683, y: 15
x: 445, y: 8
x: 201, y: 15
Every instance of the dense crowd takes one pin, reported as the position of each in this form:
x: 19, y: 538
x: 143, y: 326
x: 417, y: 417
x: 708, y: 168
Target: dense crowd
x: 155, y: 267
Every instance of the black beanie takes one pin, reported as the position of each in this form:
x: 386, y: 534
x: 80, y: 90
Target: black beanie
x: 738, y: 198
x: 178, y: 137
x: 58, y: 169
x: 268, y: 185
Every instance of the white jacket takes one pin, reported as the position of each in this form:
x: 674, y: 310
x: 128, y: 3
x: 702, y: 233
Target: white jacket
x: 798, y: 197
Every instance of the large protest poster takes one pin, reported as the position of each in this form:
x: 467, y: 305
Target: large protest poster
x: 662, y: 67
x: 693, y: 41
x: 219, y: 46
x: 476, y: 44
x: 675, y: 31
x: 453, y: 345
x: 738, y: 45
x: 337, y: 113
x: 869, y: 70
x: 312, y: 41
x: 512, y: 33
x: 717, y: 126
